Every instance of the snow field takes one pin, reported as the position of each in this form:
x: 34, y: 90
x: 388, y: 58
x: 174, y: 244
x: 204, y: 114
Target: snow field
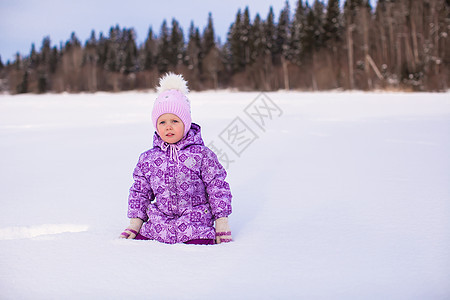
x: 343, y: 196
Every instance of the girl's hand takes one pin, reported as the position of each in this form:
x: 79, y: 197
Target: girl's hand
x: 132, y: 230
x: 223, y: 232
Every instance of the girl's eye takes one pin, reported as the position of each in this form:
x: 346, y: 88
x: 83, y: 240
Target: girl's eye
x: 175, y: 121
x: 162, y: 123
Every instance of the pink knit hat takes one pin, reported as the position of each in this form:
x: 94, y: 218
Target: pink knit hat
x: 172, y: 99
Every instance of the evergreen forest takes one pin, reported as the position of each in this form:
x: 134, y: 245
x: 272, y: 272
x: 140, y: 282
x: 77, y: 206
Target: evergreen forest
x: 316, y: 45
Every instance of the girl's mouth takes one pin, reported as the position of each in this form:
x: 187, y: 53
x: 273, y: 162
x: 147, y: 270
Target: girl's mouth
x: 170, y: 134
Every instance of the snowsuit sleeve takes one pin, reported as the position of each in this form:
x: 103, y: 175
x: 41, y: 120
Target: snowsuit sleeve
x: 217, y: 189
x: 140, y: 192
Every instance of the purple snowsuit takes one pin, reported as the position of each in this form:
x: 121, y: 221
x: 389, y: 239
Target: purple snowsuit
x: 179, y: 190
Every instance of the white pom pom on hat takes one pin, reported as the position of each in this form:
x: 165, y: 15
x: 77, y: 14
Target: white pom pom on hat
x: 172, y: 81
x: 173, y: 99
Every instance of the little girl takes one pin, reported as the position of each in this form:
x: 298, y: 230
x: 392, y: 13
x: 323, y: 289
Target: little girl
x: 179, y: 188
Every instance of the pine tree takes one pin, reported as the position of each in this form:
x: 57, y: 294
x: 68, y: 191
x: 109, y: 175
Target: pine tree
x: 260, y: 57
x: 45, y: 51
x: 43, y: 68
x: 318, y: 24
x: 333, y: 40
x: 313, y: 39
x: 130, y: 50
x: 92, y: 41
x: 193, y: 49
x: 235, y: 49
x: 257, y: 39
x: 18, y: 62
x: 282, y: 35
x: 208, y: 36
x: 90, y: 62
x: 149, y: 50
x: 308, y: 41
x: 72, y: 62
x: 54, y: 59
x: 73, y: 41
x: 351, y: 9
x: 176, y: 45
x: 22, y: 88
x: 112, y: 50
x: 282, y: 42
x: 34, y: 57
x: 269, y: 33
x: 298, y: 33
x: 122, y: 53
x: 90, y: 50
x: 245, y: 36
x: 102, y: 50
x: 211, y: 57
x: 333, y: 23
x: 163, y: 57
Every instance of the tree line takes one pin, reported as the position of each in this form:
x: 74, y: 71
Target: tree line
x: 398, y: 44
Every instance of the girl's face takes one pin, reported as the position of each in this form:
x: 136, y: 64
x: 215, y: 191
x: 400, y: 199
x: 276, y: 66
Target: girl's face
x: 170, y: 128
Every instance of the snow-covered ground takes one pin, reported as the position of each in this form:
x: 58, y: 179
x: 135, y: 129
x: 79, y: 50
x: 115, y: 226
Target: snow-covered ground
x: 340, y: 196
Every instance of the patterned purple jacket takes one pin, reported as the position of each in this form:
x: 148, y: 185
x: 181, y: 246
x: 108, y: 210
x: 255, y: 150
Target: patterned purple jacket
x: 179, y: 190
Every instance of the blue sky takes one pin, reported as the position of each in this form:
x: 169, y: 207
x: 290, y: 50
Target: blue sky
x: 23, y: 22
